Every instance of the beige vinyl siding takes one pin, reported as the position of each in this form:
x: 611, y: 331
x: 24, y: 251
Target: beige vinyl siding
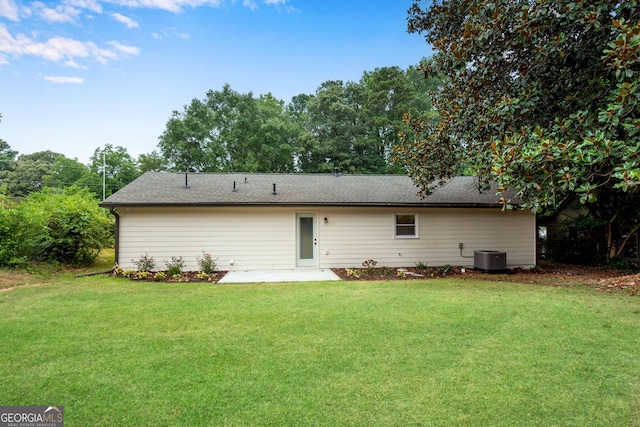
x: 353, y: 235
x: 265, y: 237
x: 253, y: 238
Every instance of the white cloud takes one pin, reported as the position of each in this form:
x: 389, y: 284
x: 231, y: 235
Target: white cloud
x: 3, y: 61
x: 176, y: 6
x: 91, y: 5
x: 251, y: 4
x: 129, y: 50
x: 9, y: 9
x: 128, y: 22
x: 169, y: 32
x: 62, y: 79
x: 61, y: 49
x: 62, y: 13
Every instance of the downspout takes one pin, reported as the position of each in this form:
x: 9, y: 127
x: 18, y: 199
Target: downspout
x: 114, y: 211
x: 537, y: 245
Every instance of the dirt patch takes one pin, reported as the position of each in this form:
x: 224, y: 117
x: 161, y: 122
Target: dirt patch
x: 547, y: 274
x: 9, y: 279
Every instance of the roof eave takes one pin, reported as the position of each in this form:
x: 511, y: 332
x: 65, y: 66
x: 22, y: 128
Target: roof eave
x: 223, y: 204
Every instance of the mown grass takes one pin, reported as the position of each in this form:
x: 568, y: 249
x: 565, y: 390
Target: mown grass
x: 421, y: 353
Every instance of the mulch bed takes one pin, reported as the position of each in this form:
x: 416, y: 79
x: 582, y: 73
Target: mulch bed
x: 187, y: 277
x: 547, y: 274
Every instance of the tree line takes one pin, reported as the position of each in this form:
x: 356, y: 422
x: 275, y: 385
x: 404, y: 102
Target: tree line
x: 352, y: 126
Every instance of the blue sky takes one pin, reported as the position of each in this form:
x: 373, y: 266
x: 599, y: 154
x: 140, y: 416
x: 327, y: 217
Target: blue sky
x: 78, y: 74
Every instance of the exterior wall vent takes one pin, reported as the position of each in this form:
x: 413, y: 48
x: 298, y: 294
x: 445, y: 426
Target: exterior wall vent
x: 490, y: 261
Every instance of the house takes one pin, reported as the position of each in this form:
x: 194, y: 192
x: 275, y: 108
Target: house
x: 283, y: 221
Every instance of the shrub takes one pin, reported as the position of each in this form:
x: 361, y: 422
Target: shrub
x: 145, y: 263
x: 203, y: 276
x: 175, y: 267
x: 160, y: 275
x: 61, y: 227
x: 207, y: 263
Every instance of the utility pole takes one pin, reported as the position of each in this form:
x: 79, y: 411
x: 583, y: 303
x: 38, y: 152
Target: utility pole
x: 104, y: 176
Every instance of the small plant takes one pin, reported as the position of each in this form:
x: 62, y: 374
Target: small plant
x: 160, y: 275
x: 207, y: 263
x: 128, y: 273
x: 353, y: 272
x: 175, y: 267
x: 118, y: 271
x: 144, y: 263
x: 401, y: 273
x: 422, y: 266
x: 176, y: 277
x: 203, y: 276
x: 387, y: 270
x: 369, y: 264
x: 444, y: 269
x: 144, y: 275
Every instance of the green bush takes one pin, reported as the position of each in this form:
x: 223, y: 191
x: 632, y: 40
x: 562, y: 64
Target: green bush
x: 207, y: 263
x: 61, y: 227
x: 145, y: 263
x: 175, y: 267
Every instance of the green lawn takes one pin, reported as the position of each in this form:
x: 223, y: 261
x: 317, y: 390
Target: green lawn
x: 408, y: 353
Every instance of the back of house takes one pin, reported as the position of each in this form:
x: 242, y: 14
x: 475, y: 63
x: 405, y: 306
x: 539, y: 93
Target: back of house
x: 287, y: 221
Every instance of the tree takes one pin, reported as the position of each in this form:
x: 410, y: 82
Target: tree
x: 336, y: 121
x: 389, y: 93
x: 190, y: 141
x: 25, y: 175
x: 152, y: 162
x: 7, y: 155
x: 274, y: 137
x: 64, y: 172
x: 230, y: 131
x: 539, y: 96
x: 120, y: 168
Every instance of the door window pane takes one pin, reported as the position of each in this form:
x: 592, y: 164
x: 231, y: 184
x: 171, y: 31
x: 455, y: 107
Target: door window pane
x: 306, y: 238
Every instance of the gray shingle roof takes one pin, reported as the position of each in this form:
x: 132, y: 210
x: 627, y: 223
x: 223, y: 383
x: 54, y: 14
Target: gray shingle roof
x: 210, y: 189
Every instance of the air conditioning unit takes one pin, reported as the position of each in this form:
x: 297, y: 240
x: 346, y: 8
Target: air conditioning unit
x: 490, y: 261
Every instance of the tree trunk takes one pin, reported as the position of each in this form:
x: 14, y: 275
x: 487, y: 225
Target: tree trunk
x: 611, y: 245
x: 633, y: 231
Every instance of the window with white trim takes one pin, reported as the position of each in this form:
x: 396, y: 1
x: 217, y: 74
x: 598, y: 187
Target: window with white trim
x: 406, y: 226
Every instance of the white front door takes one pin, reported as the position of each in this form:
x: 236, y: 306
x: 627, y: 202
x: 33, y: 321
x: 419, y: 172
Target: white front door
x: 306, y: 240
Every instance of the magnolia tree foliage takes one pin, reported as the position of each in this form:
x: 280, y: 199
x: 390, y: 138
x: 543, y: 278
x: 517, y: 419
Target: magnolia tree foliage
x: 540, y: 96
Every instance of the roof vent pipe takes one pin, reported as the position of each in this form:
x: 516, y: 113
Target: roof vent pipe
x: 234, y: 187
x: 336, y: 172
x: 186, y: 180
x: 245, y: 180
x: 274, y: 190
